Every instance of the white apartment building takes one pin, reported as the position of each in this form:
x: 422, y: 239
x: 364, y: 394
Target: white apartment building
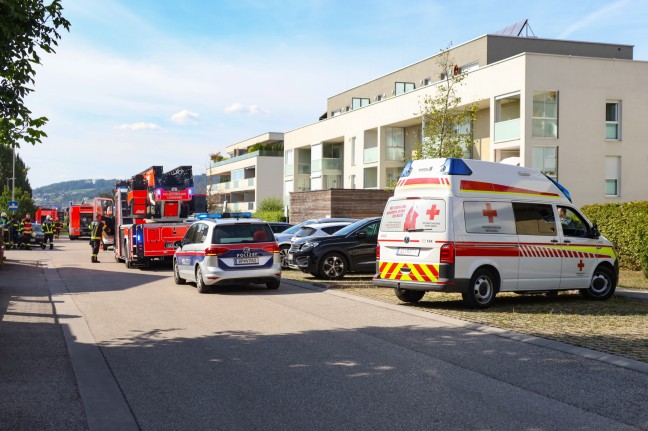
x: 251, y: 173
x: 575, y: 110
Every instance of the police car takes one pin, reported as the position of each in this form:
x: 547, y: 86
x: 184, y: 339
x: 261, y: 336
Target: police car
x: 227, y: 249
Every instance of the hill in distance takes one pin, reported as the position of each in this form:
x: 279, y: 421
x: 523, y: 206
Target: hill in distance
x: 59, y: 195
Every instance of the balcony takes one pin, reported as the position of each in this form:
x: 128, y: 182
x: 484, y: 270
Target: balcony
x: 233, y: 186
x: 241, y: 206
x: 371, y: 155
x: 260, y: 153
x: 507, y: 130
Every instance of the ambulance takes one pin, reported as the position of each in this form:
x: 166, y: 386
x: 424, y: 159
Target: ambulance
x: 479, y: 228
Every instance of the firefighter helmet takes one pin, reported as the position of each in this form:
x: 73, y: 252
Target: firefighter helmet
x: 48, y: 218
x: 4, y: 214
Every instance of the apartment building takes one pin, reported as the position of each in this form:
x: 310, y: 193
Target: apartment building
x: 575, y: 110
x: 251, y: 172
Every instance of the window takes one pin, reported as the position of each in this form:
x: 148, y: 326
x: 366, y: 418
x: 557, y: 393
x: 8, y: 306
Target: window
x: 572, y: 223
x: 489, y: 217
x: 612, y: 176
x: 545, y: 114
x: 403, y: 87
x: 316, y: 158
x: 545, y: 159
x: 469, y: 67
x: 395, y: 137
x: 613, y: 121
x: 426, y: 81
x: 357, y: 102
x: 370, y: 178
x: 353, y: 151
x: 534, y: 219
x: 288, y: 163
x: 244, y: 232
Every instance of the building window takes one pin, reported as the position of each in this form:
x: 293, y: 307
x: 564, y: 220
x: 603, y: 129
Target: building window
x: 353, y: 151
x: 316, y: 158
x: 545, y: 159
x: 371, y: 178
x: 403, y: 87
x: 426, y: 81
x: 288, y: 163
x: 545, y: 114
x: 469, y: 67
x: 352, y: 181
x: 395, y: 137
x: 392, y: 176
x: 612, y: 176
x: 613, y: 121
x: 359, y: 102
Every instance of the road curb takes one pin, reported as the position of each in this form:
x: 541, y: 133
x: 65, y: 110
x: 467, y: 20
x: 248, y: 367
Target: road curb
x: 560, y: 346
x: 103, y: 401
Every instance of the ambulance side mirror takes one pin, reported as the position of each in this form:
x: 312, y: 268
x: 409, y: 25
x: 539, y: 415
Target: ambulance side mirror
x: 594, y: 232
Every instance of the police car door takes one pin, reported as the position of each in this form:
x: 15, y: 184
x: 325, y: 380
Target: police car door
x: 578, y: 249
x: 540, y: 261
x: 185, y: 256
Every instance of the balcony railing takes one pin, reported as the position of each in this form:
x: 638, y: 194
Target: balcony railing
x: 507, y: 130
x: 260, y: 153
x: 234, y: 185
x: 241, y: 206
x: 371, y: 155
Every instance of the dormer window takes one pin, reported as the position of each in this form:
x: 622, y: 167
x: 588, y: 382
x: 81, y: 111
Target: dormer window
x: 403, y: 87
x: 359, y: 102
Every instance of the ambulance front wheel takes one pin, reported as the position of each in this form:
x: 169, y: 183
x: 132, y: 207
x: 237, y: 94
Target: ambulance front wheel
x: 602, y: 285
x: 481, y: 290
x: 411, y: 296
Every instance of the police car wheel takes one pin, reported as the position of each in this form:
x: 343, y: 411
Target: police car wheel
x: 176, y: 274
x: 332, y: 266
x: 411, y: 296
x: 200, y: 283
x: 481, y: 290
x: 602, y: 285
x: 274, y: 284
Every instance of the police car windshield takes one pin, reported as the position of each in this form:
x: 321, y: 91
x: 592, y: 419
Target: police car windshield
x: 242, y: 233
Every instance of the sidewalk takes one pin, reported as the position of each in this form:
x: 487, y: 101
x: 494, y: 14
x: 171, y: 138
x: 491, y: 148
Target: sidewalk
x: 38, y: 388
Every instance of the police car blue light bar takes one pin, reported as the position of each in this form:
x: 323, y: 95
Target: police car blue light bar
x: 202, y: 216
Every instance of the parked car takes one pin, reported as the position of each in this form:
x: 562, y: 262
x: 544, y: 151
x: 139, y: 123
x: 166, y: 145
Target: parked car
x: 319, y: 229
x: 226, y: 251
x: 279, y: 226
x: 283, y: 238
x: 351, y: 249
x: 37, y: 234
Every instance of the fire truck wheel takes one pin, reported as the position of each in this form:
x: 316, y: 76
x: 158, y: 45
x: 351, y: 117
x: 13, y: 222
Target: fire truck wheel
x: 411, y: 296
x: 481, y: 290
x: 176, y: 274
x: 602, y: 285
x: 200, y: 283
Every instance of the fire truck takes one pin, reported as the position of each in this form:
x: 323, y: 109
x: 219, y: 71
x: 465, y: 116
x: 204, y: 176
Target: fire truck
x: 149, y: 211
x: 79, y: 218
x: 43, y: 212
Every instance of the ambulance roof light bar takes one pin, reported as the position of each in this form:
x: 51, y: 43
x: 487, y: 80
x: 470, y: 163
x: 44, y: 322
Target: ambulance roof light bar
x: 562, y: 189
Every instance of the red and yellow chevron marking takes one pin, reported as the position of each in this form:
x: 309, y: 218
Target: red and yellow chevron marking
x: 413, y: 271
x: 423, y: 182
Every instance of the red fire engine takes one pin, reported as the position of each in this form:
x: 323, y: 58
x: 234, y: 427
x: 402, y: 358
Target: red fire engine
x: 149, y: 213
x: 79, y: 218
x: 43, y: 212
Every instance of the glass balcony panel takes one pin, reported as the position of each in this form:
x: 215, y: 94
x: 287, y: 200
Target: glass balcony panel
x: 371, y: 155
x: 545, y: 128
x: 316, y: 165
x: 395, y: 153
x: 507, y: 130
x: 332, y: 164
x: 304, y: 168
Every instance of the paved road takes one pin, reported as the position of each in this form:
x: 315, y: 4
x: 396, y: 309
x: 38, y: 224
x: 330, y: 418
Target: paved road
x: 247, y: 358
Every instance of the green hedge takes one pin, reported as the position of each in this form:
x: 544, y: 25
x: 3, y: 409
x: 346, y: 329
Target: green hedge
x: 270, y: 215
x: 626, y: 225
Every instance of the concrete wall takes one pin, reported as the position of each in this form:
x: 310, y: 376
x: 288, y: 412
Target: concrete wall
x: 338, y: 203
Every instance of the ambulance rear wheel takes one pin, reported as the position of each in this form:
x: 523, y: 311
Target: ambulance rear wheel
x: 411, y: 296
x: 481, y: 290
x: 602, y: 285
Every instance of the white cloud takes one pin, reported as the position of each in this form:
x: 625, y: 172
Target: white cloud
x: 242, y: 109
x: 138, y: 126
x: 185, y: 117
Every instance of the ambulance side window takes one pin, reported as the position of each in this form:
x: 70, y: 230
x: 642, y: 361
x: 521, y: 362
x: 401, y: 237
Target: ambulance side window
x: 534, y: 219
x: 572, y: 223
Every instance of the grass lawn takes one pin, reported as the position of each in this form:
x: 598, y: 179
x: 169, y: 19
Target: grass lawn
x: 633, y: 280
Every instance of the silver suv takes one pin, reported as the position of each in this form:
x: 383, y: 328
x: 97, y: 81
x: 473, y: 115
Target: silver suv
x: 227, y: 251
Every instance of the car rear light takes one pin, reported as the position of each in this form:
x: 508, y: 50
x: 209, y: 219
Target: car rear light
x: 378, y: 251
x: 447, y: 253
x: 272, y: 248
x: 215, y: 250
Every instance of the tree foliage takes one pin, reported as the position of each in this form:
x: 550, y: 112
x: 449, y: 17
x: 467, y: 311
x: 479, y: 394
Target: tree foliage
x: 25, y: 203
x: 447, y: 126
x: 6, y: 170
x: 27, y: 27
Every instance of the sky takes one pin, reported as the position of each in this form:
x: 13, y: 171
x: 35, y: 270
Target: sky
x: 137, y: 83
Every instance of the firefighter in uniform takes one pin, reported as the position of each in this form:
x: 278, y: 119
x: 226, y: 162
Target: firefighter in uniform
x: 4, y: 222
x: 48, y: 233
x: 96, y: 228
x: 58, y: 225
x: 26, y: 231
x: 14, y: 232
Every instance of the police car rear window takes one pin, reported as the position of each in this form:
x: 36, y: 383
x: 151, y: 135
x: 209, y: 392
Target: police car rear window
x: 242, y: 233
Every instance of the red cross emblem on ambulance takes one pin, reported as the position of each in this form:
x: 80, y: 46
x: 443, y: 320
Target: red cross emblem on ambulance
x: 490, y: 213
x: 581, y: 265
x: 433, y: 212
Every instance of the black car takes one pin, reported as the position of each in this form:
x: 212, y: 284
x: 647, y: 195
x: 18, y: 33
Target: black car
x: 351, y: 249
x: 279, y: 226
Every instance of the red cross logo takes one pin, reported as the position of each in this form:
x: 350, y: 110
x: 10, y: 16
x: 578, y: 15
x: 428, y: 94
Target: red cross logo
x: 410, y: 219
x: 581, y: 265
x: 433, y: 212
x: 490, y: 213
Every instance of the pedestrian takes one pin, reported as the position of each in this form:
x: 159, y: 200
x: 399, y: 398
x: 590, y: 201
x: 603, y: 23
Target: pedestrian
x: 48, y: 233
x: 26, y: 232
x: 14, y: 232
x: 96, y: 228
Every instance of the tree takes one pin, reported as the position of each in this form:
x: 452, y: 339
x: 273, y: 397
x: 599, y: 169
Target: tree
x: 27, y: 28
x: 24, y: 199
x: 6, y: 170
x: 447, y: 127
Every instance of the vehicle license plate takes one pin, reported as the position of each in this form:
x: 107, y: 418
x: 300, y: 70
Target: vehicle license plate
x: 247, y: 261
x: 405, y: 251
x: 168, y: 245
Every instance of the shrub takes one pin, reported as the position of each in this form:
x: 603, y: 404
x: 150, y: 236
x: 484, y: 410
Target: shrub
x: 622, y: 223
x: 270, y: 215
x: 270, y: 204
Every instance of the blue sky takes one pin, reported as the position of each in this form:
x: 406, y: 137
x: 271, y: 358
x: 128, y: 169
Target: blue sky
x: 137, y: 83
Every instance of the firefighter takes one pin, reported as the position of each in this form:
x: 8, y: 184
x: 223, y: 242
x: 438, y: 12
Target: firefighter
x: 58, y: 226
x: 26, y: 231
x: 96, y: 228
x: 4, y: 222
x: 48, y: 232
x: 14, y: 232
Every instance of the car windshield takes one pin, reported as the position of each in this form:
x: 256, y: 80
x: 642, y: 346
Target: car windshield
x: 350, y: 228
x: 37, y: 228
x: 293, y: 230
x: 242, y: 233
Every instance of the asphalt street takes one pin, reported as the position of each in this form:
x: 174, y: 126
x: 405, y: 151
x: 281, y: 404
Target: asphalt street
x: 100, y: 346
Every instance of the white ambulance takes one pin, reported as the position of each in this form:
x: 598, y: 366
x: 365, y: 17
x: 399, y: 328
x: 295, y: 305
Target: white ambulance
x: 479, y: 228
